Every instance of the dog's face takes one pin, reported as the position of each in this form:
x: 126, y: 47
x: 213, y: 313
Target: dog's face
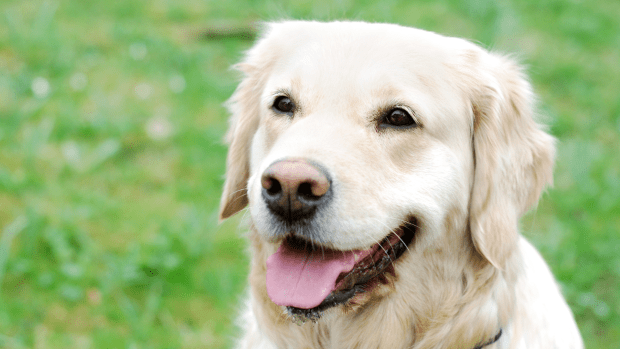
x: 346, y: 103
x: 369, y: 141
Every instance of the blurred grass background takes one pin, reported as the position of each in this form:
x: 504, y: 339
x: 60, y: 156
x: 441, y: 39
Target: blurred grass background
x: 111, y: 159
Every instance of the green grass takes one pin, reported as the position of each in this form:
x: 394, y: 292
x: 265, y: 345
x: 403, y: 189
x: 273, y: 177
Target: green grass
x: 111, y: 160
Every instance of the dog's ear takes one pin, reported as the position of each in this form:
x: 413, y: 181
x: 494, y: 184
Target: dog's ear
x: 513, y: 156
x: 243, y: 106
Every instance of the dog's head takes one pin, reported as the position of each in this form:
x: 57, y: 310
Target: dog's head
x: 356, y: 143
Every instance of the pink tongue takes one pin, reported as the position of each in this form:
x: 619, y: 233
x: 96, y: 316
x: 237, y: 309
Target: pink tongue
x: 303, y: 278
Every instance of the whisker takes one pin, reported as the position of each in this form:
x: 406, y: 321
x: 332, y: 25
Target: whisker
x: 407, y: 223
x: 392, y: 231
x: 389, y: 229
x: 376, y: 242
x: 380, y: 245
x: 238, y: 197
x: 391, y: 246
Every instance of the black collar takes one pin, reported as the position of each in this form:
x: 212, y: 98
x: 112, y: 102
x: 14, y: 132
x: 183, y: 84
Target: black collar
x: 493, y: 340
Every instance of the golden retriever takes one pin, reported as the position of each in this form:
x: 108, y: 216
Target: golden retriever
x: 385, y: 169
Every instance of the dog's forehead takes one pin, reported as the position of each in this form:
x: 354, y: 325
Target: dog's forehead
x: 343, y: 54
x: 363, y: 66
x: 361, y: 54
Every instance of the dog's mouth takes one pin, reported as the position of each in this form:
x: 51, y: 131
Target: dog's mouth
x: 308, y: 279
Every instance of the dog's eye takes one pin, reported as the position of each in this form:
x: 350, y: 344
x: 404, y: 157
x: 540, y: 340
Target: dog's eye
x: 399, y: 118
x: 284, y: 105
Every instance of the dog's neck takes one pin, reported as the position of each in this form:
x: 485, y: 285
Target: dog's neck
x: 464, y: 314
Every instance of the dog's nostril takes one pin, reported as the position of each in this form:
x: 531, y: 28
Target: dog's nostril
x: 276, y: 188
x: 305, y: 191
x: 271, y: 185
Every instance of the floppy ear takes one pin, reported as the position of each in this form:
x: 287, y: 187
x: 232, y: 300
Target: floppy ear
x: 244, y: 107
x: 513, y: 157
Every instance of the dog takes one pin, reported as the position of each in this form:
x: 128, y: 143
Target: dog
x: 385, y: 169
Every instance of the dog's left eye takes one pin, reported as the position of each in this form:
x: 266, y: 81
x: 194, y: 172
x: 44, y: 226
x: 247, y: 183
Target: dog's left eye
x: 399, y: 118
x: 283, y: 105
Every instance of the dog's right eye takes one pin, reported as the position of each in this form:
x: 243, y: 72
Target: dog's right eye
x: 283, y: 105
x: 398, y: 118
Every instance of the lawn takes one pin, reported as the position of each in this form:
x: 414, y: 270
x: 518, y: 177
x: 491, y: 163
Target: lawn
x: 112, y: 160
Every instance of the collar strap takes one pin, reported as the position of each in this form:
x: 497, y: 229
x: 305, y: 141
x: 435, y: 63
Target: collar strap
x: 493, y: 340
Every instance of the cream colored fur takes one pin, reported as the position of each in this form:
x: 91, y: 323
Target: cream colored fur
x: 476, y: 163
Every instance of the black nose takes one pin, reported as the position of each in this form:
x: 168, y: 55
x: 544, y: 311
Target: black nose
x: 294, y: 188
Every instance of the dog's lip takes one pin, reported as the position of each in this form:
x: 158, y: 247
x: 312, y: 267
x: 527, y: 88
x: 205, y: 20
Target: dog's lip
x: 367, y: 273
